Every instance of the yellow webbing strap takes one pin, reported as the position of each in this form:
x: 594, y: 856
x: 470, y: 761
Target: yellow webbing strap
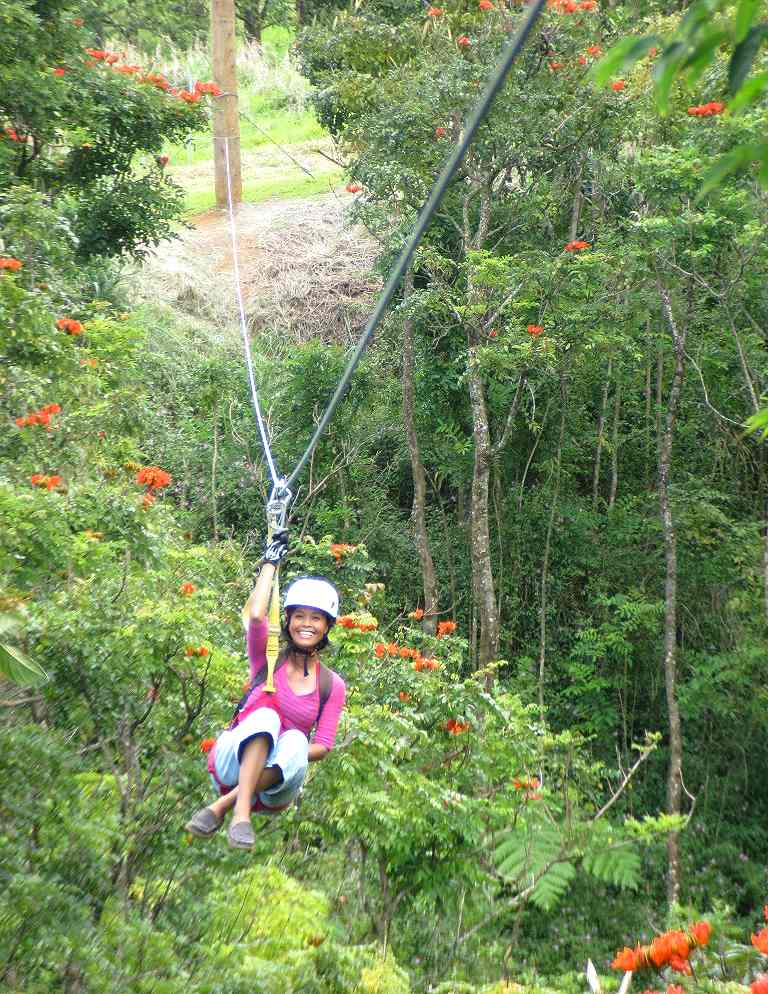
x: 273, y: 632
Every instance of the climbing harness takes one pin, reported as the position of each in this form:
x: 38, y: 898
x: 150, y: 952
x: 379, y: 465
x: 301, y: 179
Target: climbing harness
x: 281, y: 496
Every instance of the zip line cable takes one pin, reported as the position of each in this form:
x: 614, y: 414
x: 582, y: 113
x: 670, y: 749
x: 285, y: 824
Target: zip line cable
x: 244, y: 328
x: 439, y: 188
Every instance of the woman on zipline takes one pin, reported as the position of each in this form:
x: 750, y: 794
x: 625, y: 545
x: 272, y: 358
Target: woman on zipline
x: 259, y: 763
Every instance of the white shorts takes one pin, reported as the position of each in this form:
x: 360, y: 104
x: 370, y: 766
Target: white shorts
x: 288, y: 752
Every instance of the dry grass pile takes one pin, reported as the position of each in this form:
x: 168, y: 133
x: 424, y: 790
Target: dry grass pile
x: 305, y: 272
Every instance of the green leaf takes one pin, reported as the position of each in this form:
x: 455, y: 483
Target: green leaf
x: 735, y: 160
x: 664, y: 72
x: 15, y: 666
x: 553, y: 885
x: 749, y: 93
x: 745, y: 14
x: 619, y: 866
x: 703, y: 55
x: 743, y: 57
x: 623, y: 54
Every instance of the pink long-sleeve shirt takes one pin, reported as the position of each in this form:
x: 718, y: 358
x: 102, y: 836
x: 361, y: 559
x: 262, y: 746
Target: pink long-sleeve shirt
x: 297, y: 710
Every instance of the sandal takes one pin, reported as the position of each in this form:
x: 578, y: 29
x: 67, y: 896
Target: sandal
x: 240, y: 835
x: 204, y: 824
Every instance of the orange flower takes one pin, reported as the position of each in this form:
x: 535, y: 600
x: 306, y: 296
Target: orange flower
x: 58, y: 71
x: 347, y: 621
x: 707, y: 110
x: 14, y: 265
x: 485, y: 5
x: 554, y: 66
x: 187, y: 588
x: 153, y: 478
x: 582, y: 60
x: 207, y: 744
x: 699, y: 933
x: 445, y: 628
x: 625, y: 960
x: 419, y: 664
x: 435, y: 12
x: 594, y: 50
x: 463, y: 42
x: 392, y: 649
x: 680, y: 965
x: 430, y: 664
x: 42, y: 480
x: 339, y: 549
x: 535, y: 330
x: 417, y: 615
x: 577, y: 246
x: 760, y: 941
x: 90, y: 362
x: 70, y: 326
x: 618, y: 85
x: 380, y: 650
x: 440, y: 132
x: 759, y: 985
x: 454, y: 727
x: 404, y: 696
x: 353, y: 188
x: 148, y: 499
x: 675, y: 989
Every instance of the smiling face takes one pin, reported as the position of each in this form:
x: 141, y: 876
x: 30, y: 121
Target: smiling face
x: 307, y: 627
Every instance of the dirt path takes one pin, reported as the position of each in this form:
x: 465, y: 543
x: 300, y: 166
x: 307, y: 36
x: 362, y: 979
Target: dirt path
x: 304, y: 270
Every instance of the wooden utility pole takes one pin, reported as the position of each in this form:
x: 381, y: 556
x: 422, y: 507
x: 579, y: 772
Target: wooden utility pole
x: 226, y: 123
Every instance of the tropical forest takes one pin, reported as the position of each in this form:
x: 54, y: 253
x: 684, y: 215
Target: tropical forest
x: 385, y: 384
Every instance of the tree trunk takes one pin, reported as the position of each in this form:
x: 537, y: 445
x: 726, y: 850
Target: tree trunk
x: 674, y: 773
x: 252, y: 15
x: 483, y: 586
x: 428, y: 578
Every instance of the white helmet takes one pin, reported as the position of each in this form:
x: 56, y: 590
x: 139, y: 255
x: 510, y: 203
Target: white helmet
x: 311, y: 591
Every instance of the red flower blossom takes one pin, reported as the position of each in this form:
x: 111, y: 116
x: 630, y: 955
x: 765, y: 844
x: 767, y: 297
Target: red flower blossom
x: 153, y: 478
x: 58, y: 71
x: 463, y: 41
x: 435, y: 12
x: 404, y: 696
x: 618, y: 85
x: 70, y: 326
x: 554, y: 66
x: 535, y: 329
x: 707, y: 110
x: 90, y: 362
x: 207, y: 744
x: 675, y: 989
x: 340, y: 549
x: 210, y: 88
x: 759, y: 985
x: 485, y: 5
x: 680, y: 965
x: 188, y: 96
x: 760, y: 941
x: 417, y: 615
x: 625, y: 960
x: 493, y: 333
x: 78, y: 22
x: 582, y: 60
x: 587, y: 5
x: 353, y: 188
x: 594, y: 50
x: 445, y: 628
x: 14, y: 265
x: 440, y: 132
x: 42, y: 480
x: 188, y: 588
x: 576, y: 246
x: 454, y: 727
x: 699, y: 933
x: 380, y: 650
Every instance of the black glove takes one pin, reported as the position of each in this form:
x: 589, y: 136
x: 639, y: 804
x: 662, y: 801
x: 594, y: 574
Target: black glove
x: 276, y: 548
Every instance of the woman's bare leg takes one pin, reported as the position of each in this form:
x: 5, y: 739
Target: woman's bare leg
x: 253, y: 777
